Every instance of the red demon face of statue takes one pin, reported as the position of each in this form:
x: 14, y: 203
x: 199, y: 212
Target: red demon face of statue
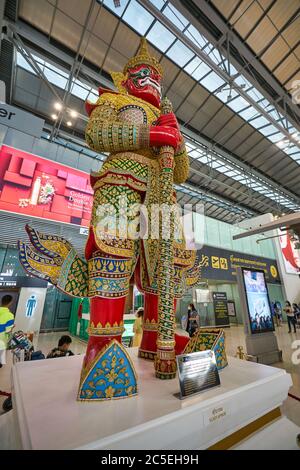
x: 144, y: 82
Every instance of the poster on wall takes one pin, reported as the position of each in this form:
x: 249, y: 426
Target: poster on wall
x: 231, y: 308
x: 202, y: 296
x: 36, y: 187
x: 258, y: 303
x: 220, y: 308
x: 290, y: 253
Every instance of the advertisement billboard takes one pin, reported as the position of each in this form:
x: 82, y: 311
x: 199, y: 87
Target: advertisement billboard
x: 258, y: 303
x: 36, y: 187
x: 290, y: 253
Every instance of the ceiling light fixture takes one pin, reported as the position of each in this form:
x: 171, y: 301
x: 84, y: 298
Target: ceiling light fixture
x: 73, y: 113
x: 54, y: 116
x: 69, y: 123
x: 58, y: 106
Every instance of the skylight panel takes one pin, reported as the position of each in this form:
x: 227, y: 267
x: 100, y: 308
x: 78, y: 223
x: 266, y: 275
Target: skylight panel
x: 137, y: 17
x: 248, y: 113
x: 241, y: 80
x: 225, y: 94
x: 258, y: 122
x: 197, y: 68
x: 21, y: 62
x: 180, y: 54
x: 223, y: 169
x: 158, y: 3
x: 93, y: 96
x: 212, y: 81
x: 230, y: 173
x: 233, y: 70
x: 203, y: 159
x: 39, y: 60
x: 238, y: 104
x: 215, y: 165
x: 268, y: 130
x: 255, y: 94
x: 214, y: 55
x: 193, y: 34
x: 277, y: 137
x: 195, y: 153
x: 79, y: 91
x: 175, y: 16
x: 160, y: 36
x: 291, y: 149
x: 57, y: 70
x: 111, y: 5
x: 190, y: 146
x: 55, y: 78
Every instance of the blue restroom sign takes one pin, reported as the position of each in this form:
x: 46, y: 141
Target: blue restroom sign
x: 31, y: 306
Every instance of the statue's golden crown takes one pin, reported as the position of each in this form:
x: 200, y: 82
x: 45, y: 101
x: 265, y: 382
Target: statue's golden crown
x: 143, y: 57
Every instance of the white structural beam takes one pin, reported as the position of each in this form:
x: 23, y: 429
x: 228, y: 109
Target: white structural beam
x: 290, y: 221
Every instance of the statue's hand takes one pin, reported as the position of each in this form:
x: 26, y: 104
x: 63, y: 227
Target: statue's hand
x: 168, y: 120
x: 164, y: 135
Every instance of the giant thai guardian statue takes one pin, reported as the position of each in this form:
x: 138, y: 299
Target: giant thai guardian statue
x: 146, y: 156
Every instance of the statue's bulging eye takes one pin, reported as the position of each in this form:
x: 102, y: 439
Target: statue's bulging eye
x: 145, y: 72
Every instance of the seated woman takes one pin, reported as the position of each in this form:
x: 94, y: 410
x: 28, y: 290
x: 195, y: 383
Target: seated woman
x: 63, y: 348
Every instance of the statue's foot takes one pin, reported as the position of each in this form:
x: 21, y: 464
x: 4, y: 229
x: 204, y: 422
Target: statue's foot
x: 110, y: 375
x: 148, y: 347
x: 180, y: 343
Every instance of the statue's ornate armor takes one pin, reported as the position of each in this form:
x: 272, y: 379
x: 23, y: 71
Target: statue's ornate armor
x: 120, y: 123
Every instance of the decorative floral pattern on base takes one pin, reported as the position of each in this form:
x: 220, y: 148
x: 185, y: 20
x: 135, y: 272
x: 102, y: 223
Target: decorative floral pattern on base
x: 111, y: 375
x: 209, y: 338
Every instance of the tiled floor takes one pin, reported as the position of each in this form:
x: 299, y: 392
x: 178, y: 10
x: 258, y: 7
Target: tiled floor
x: 234, y: 337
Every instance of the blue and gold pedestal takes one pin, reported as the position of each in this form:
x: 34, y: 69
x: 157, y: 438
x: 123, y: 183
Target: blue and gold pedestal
x: 110, y: 376
x: 209, y: 338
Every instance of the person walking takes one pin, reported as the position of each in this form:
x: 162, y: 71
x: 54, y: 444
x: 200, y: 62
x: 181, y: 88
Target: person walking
x: 138, y: 328
x: 6, y: 325
x: 278, y: 312
x: 290, y: 316
x: 193, y: 321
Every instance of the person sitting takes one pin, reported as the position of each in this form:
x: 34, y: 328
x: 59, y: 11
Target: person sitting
x: 63, y: 348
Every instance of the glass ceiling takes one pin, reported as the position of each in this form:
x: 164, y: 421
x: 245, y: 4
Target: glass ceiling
x: 196, y: 150
x: 58, y: 77
x: 138, y: 18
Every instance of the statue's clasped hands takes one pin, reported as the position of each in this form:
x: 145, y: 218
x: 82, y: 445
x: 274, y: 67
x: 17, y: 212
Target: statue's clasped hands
x: 166, y: 132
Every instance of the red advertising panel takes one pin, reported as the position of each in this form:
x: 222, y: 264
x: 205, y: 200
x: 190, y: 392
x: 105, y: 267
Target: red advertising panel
x: 34, y: 186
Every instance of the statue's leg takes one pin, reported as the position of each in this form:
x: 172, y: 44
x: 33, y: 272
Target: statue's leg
x: 107, y: 370
x: 104, y: 313
x: 148, y: 346
x: 147, y: 349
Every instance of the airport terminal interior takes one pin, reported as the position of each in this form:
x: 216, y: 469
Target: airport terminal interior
x: 149, y: 225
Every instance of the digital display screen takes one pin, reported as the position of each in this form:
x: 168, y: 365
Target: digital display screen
x: 258, y: 303
x: 36, y: 187
x: 128, y: 329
